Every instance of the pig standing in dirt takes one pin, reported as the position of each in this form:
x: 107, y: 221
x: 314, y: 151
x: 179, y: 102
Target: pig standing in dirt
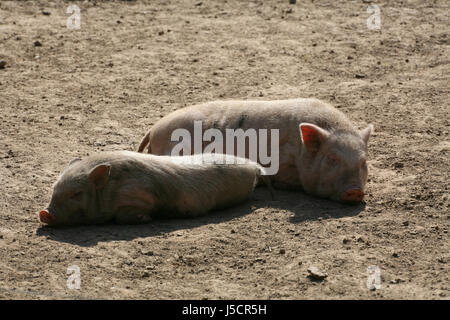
x: 128, y: 187
x: 320, y: 150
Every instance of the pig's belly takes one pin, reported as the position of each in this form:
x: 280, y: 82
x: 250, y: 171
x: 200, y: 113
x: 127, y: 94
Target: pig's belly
x: 286, y: 178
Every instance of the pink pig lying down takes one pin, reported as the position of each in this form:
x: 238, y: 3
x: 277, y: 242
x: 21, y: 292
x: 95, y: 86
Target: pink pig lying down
x: 319, y: 150
x: 129, y: 187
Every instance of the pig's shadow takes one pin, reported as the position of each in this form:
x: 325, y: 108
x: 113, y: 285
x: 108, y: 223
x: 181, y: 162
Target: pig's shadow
x: 298, y: 205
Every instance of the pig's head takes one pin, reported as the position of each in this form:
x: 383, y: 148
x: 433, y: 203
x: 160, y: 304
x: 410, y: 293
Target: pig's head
x: 75, y: 195
x: 332, y: 164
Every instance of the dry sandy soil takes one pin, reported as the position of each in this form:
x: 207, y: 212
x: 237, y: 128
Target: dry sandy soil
x: 132, y: 62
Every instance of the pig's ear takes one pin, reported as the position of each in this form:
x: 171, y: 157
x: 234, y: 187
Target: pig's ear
x: 365, y: 133
x: 312, y: 136
x: 73, y: 161
x: 99, y: 175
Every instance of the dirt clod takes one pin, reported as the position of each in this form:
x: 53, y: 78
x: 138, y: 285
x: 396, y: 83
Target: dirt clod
x: 398, y: 165
x: 315, y: 273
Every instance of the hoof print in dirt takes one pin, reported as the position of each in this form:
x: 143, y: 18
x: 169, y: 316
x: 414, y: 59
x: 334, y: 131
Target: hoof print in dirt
x: 315, y: 274
x: 2, y: 64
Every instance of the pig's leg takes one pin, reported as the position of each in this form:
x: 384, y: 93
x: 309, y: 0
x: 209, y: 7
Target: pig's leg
x: 134, y: 204
x: 132, y: 215
x: 188, y: 205
x: 287, y: 178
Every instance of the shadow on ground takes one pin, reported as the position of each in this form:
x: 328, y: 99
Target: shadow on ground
x: 303, y: 207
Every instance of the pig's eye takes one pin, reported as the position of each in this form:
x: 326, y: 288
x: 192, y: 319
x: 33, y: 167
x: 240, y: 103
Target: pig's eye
x: 76, y: 195
x: 332, y: 159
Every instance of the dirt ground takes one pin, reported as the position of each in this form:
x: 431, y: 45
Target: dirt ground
x: 132, y: 62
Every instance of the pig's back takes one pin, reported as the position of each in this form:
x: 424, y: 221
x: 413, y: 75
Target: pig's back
x: 285, y: 115
x: 275, y: 114
x: 193, y: 187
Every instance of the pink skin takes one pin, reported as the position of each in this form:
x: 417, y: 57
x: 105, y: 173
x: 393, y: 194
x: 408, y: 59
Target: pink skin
x: 334, y: 164
x: 353, y: 195
x: 327, y: 158
x: 128, y: 187
x: 46, y: 217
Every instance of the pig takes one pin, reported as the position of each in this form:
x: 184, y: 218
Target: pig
x: 320, y: 150
x: 127, y: 187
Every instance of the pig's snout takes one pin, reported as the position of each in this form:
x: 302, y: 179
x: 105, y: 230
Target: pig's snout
x: 46, y: 217
x: 353, y: 195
